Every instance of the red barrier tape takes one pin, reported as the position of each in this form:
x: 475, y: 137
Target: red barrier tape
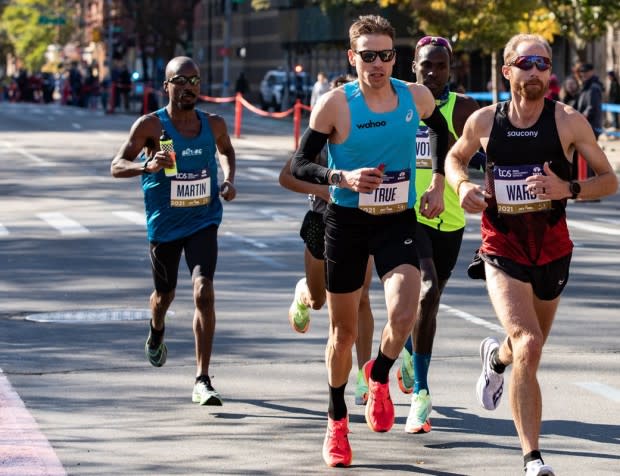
x: 218, y: 100
x: 260, y: 112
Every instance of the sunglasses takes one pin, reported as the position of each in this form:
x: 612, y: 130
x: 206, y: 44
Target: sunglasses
x: 369, y: 56
x: 181, y: 80
x: 435, y: 41
x: 528, y: 62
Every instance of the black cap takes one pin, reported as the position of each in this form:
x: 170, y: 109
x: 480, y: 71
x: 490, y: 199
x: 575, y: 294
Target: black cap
x: 584, y: 68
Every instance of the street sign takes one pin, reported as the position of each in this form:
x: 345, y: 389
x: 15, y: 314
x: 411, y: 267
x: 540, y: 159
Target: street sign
x: 45, y: 20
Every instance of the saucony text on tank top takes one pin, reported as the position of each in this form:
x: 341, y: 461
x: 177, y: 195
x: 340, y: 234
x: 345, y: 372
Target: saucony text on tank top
x: 517, y: 224
x: 374, y: 139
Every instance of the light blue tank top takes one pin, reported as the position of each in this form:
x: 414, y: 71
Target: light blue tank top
x: 178, y: 206
x: 374, y: 139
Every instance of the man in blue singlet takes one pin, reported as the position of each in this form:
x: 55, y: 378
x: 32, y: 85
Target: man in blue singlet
x: 526, y: 249
x: 183, y: 208
x: 369, y: 125
x: 438, y: 239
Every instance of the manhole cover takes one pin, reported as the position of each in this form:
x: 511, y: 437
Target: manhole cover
x: 96, y: 315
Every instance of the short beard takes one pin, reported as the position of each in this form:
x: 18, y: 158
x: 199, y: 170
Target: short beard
x: 185, y: 107
x: 529, y: 94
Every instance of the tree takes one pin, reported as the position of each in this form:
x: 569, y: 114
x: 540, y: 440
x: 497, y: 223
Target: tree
x: 29, y: 37
x: 584, y: 20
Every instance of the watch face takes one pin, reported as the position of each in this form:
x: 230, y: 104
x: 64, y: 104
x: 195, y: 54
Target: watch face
x: 336, y: 178
x: 575, y: 188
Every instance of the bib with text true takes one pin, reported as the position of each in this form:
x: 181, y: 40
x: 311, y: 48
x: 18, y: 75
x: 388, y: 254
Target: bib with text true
x: 391, y: 196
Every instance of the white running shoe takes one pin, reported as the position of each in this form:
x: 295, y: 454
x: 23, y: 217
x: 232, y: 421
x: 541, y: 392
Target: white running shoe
x: 538, y: 468
x: 421, y: 406
x: 490, y: 384
x: 299, y: 313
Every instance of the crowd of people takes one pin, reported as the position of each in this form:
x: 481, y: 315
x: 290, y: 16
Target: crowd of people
x: 386, y: 164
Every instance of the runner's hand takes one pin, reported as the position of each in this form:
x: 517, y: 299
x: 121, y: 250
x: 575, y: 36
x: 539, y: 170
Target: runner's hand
x: 228, y: 191
x: 364, y: 180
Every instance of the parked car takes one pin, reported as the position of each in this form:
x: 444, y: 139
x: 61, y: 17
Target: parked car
x: 273, y: 88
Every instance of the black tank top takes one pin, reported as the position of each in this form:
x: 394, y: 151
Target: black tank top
x: 509, y: 145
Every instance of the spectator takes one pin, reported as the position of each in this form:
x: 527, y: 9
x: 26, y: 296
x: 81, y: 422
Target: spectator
x: 614, y: 96
x: 553, y: 92
x: 241, y: 85
x: 570, y: 91
x: 591, y: 97
x: 124, y: 87
x: 320, y: 87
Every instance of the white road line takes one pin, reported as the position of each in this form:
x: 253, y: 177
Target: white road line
x: 264, y: 171
x: 3, y: 230
x: 601, y: 389
x: 588, y: 226
x: 263, y: 259
x: 64, y: 224
x: 471, y: 318
x: 131, y: 216
x: 24, y: 449
x: 75, y: 125
x: 35, y: 158
x: 249, y: 241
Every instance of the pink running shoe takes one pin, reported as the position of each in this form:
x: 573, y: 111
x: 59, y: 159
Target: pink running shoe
x: 379, y: 408
x: 336, y: 448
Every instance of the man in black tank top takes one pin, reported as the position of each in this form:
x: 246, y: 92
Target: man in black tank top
x: 526, y: 248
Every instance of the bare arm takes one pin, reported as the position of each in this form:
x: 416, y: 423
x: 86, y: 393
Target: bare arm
x: 226, y: 156
x: 144, y: 134
x: 477, y: 127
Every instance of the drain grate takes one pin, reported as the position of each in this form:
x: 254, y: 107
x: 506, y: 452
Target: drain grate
x: 93, y: 315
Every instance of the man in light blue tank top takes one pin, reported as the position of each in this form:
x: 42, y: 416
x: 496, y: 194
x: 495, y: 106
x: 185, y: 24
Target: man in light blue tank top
x: 370, y: 126
x: 183, y: 207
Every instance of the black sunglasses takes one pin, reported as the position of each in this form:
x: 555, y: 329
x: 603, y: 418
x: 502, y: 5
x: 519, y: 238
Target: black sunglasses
x: 369, y: 56
x: 528, y: 62
x: 435, y: 41
x: 181, y: 80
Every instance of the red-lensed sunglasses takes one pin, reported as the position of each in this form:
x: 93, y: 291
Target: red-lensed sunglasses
x: 435, y: 41
x: 528, y: 62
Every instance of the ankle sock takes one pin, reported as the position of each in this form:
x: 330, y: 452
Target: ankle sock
x: 497, y: 364
x: 156, y: 335
x: 532, y: 456
x: 421, y: 362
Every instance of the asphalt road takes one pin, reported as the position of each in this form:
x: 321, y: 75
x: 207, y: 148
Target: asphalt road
x: 72, y: 242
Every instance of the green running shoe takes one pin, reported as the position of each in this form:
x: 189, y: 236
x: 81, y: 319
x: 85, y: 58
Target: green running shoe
x: 405, y: 373
x: 204, y: 393
x: 421, y: 406
x: 361, y: 389
x: 299, y: 313
x: 156, y: 355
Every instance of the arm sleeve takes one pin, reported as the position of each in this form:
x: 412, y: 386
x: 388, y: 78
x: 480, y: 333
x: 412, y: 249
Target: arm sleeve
x: 303, y: 165
x: 438, y: 135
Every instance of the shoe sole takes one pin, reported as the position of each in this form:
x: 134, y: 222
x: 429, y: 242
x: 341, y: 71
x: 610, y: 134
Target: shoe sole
x: 425, y: 428
x: 212, y: 401
x: 361, y: 400
x: 300, y: 331
x: 159, y: 362
x: 401, y: 384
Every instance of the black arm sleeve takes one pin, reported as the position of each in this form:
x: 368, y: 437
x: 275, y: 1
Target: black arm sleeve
x: 438, y: 135
x: 303, y: 165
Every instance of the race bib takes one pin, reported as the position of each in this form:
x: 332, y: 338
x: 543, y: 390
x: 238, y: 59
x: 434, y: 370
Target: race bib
x: 423, y: 149
x: 190, y: 189
x: 390, y: 197
x: 511, y: 190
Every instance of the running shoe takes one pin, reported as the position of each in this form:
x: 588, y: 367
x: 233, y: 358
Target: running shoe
x: 336, y: 448
x: 205, y: 394
x: 490, y: 384
x: 405, y: 373
x: 299, y: 313
x: 156, y: 354
x: 379, y: 408
x: 361, y: 389
x: 538, y: 468
x: 421, y: 406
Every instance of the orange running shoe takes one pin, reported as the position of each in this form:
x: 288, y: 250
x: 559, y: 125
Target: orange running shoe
x: 379, y: 408
x: 336, y: 448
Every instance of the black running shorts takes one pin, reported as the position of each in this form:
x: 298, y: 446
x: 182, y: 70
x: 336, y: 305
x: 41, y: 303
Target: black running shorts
x: 313, y: 233
x: 548, y: 281
x: 440, y: 246
x: 200, y: 256
x: 352, y: 235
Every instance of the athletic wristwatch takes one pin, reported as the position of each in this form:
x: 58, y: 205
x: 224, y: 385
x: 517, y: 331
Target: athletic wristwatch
x: 335, y: 178
x: 575, y: 189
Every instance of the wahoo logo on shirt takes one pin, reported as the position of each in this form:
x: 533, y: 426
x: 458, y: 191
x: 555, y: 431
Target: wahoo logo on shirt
x: 370, y: 124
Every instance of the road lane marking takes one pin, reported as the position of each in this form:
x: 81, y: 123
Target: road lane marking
x: 582, y: 225
x: 263, y: 259
x: 3, y: 230
x: 64, y: 224
x: 75, y: 125
x: 131, y: 216
x: 245, y: 239
x: 601, y: 389
x: 28, y: 155
x: 23, y: 447
x: 471, y: 318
